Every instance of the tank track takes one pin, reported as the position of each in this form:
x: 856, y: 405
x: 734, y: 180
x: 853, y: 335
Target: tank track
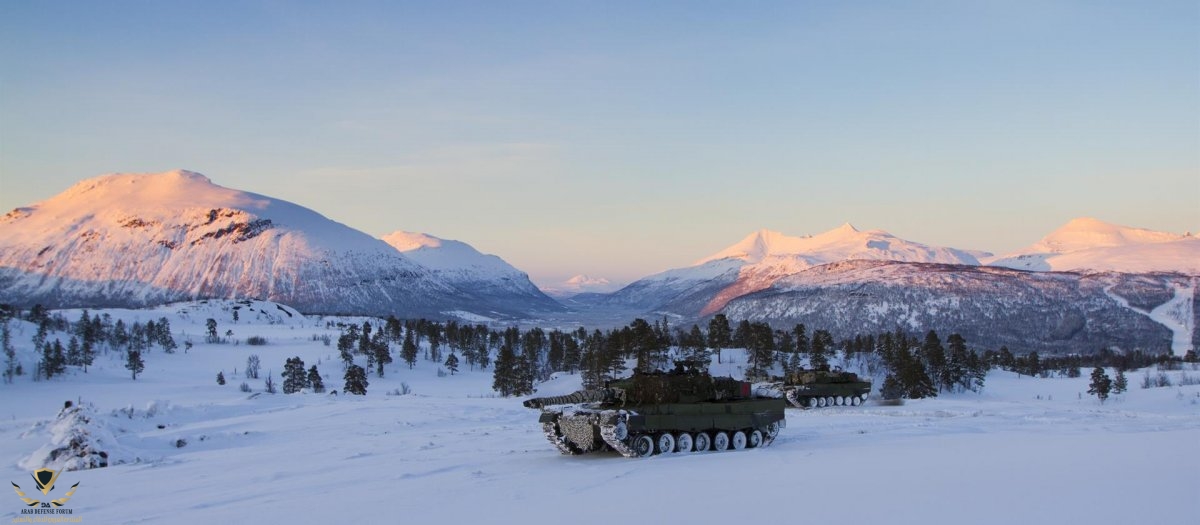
x: 790, y: 395
x: 555, y: 436
x: 803, y: 403
x: 610, y: 431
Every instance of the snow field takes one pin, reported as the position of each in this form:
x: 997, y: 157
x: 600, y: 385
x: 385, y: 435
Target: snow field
x: 1025, y: 450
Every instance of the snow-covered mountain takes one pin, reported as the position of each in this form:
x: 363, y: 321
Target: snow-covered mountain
x: 1092, y: 244
x: 485, y: 276
x: 580, y: 284
x: 145, y: 239
x: 765, y: 256
x: 852, y: 282
x: 990, y: 306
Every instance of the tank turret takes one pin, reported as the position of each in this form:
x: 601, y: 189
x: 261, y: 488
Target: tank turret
x: 682, y: 411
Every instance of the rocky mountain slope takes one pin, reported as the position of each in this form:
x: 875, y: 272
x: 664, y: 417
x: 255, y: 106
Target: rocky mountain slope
x: 145, y: 239
x: 763, y: 257
x: 852, y: 282
x: 1057, y: 312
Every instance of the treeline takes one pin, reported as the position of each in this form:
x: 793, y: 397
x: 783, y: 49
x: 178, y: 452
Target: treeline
x: 85, y: 336
x: 910, y: 365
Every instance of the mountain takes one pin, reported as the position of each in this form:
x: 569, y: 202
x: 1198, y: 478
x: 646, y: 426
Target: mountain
x: 484, y: 277
x: 580, y: 284
x: 763, y: 257
x: 852, y: 282
x: 1092, y: 244
x: 990, y: 306
x: 143, y: 239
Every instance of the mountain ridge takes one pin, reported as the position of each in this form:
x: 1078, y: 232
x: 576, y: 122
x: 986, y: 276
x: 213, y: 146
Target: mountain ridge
x: 137, y: 239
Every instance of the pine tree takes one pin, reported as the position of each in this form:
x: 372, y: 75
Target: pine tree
x: 719, y: 335
x: 760, y: 341
x: 381, y: 350
x: 452, y: 363
x: 934, y: 356
x: 409, y: 349
x: 294, y: 378
x: 221, y: 378
x: 891, y: 389
x: 10, y: 353
x: 314, y: 379
x: 557, y: 354
x: 643, y: 345
x: 345, y: 349
x: 741, y: 334
x: 956, y: 374
x: 356, y: 380
x: 699, y: 355
x: 822, y: 349
x: 210, y: 326
x: 87, y: 354
x: 1101, y: 384
x: 1033, y: 364
x: 800, y: 338
x: 134, y: 363
x: 1120, y: 384
x: 164, y: 336
x: 571, y: 355
x: 504, y: 375
x: 54, y: 360
x: 74, y: 355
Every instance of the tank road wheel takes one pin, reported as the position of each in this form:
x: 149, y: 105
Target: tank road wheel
x: 720, y: 441
x: 829, y: 401
x: 755, y: 439
x: 701, y: 442
x: 620, y: 431
x: 855, y: 400
x: 738, y: 441
x: 820, y: 402
x: 643, y: 446
x: 666, y: 443
x: 683, y: 442
x: 812, y: 402
x: 770, y: 432
x: 773, y: 430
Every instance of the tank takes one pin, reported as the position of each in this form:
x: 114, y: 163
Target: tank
x: 819, y: 388
x: 683, y: 411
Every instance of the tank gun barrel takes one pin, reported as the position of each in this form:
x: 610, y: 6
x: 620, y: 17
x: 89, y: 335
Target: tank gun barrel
x: 582, y: 396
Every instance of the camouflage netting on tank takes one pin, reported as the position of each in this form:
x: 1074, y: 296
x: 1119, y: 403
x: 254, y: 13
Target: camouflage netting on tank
x: 805, y: 377
x: 657, y: 388
x: 580, y: 431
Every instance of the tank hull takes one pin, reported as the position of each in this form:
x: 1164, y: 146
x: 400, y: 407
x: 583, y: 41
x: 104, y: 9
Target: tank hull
x: 826, y: 395
x: 673, y: 427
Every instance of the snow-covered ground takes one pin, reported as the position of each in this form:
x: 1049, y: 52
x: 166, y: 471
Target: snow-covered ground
x: 1024, y: 451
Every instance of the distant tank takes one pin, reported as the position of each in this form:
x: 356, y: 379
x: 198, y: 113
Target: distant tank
x: 661, y: 413
x: 818, y: 388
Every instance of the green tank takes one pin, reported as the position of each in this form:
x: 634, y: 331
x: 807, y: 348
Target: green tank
x: 819, y: 388
x: 661, y: 413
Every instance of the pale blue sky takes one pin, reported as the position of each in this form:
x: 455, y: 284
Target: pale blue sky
x: 619, y: 139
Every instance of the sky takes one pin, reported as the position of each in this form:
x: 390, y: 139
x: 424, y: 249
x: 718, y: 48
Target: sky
x: 619, y: 139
